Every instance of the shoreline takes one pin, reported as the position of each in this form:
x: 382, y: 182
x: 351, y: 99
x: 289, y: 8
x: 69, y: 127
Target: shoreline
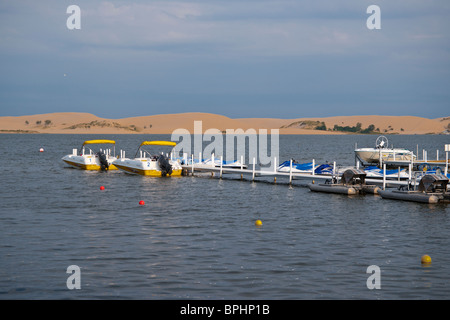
x: 3, y: 132
x: 85, y: 123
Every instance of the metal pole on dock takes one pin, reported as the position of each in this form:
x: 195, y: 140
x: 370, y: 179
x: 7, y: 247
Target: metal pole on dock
x: 447, y: 149
x: 212, y: 164
x: 253, y: 173
x: 381, y: 159
x: 384, y: 176
x: 242, y: 166
x: 290, y: 171
x: 446, y: 165
x: 192, y: 165
x: 221, y: 162
x: 275, y: 168
x: 409, y: 173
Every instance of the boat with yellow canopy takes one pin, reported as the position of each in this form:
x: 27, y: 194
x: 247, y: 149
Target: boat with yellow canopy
x: 148, y: 164
x: 88, y: 159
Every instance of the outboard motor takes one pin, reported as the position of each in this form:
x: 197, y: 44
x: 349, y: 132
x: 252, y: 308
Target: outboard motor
x: 353, y: 176
x: 166, y: 167
x: 104, y: 165
x: 433, y: 183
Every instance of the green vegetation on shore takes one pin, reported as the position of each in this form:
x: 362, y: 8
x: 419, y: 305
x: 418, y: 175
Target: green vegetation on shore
x: 356, y: 129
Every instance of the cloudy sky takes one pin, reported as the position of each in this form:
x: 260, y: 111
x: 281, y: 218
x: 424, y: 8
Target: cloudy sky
x: 238, y: 58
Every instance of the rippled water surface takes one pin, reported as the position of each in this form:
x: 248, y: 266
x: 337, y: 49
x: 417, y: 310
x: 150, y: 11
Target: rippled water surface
x: 195, y: 237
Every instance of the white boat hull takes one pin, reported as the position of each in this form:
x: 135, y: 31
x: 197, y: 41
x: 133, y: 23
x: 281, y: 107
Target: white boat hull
x: 146, y: 167
x: 91, y: 160
x: 88, y: 162
x: 372, y: 155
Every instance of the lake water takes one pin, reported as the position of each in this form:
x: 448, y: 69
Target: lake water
x: 195, y: 237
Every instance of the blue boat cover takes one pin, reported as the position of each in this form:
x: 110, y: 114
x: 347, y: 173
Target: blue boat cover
x: 322, y: 169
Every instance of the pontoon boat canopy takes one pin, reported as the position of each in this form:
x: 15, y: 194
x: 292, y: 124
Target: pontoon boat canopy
x: 158, y: 143
x: 99, y: 142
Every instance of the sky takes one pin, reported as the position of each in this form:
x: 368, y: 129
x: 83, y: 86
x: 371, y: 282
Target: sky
x: 239, y: 58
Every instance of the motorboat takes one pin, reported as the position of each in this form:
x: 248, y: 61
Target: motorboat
x: 88, y: 159
x: 383, y: 152
x: 150, y: 164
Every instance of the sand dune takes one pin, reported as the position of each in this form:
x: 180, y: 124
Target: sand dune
x: 82, y: 123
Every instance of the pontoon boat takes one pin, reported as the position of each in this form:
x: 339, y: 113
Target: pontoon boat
x: 351, y: 182
x: 432, y: 189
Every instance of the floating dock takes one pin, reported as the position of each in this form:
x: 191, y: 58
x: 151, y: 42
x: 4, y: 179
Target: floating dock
x: 409, y: 196
x: 253, y: 172
x: 408, y: 184
x: 432, y: 189
x: 351, y: 182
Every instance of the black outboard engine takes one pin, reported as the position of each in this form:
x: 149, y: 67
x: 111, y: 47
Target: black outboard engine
x: 104, y: 165
x: 166, y: 167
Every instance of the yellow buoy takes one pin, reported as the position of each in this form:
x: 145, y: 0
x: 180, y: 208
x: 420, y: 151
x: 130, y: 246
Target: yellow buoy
x: 426, y: 259
x: 258, y: 223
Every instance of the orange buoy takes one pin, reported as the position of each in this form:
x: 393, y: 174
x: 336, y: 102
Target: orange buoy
x: 41, y: 150
x: 102, y: 188
x: 141, y: 202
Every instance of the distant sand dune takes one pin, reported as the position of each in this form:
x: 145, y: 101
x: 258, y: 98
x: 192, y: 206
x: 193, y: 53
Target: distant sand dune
x: 84, y: 123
